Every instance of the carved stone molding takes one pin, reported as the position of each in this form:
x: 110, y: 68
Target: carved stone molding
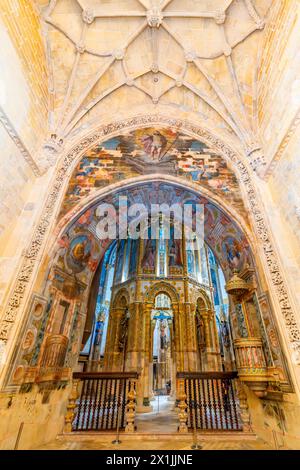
x: 8, y: 126
x: 283, y: 145
x: 161, y: 286
x: 260, y: 23
x: 24, y: 276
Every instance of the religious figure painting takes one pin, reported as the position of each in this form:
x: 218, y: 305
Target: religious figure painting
x: 175, y: 258
x: 133, y: 256
x: 79, y: 253
x: 221, y: 235
x: 233, y: 252
x: 148, y: 260
x: 175, y: 253
x: 120, y: 258
x: 152, y: 151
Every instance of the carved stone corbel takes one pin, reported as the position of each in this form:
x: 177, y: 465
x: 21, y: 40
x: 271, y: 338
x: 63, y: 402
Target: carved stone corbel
x: 244, y: 407
x: 51, y: 150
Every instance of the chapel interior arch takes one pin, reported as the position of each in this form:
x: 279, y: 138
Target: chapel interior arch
x: 214, y: 339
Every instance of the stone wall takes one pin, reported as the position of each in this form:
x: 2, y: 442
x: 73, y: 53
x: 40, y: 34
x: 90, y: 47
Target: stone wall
x: 23, y: 124
x: 278, y: 75
x: 276, y: 422
x: 42, y: 422
x: 284, y: 211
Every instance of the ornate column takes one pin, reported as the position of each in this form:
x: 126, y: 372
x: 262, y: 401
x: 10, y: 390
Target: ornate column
x: 130, y: 408
x: 206, y: 362
x: 189, y: 349
x: 112, y: 352
x: 131, y: 356
x: 191, y: 344
x: 182, y: 406
x: 210, y: 356
x: 179, y: 325
x: 146, y: 334
x: 96, y: 347
x: 151, y: 394
x: 244, y: 407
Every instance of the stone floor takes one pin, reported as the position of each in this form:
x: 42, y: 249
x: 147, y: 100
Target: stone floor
x: 144, y: 443
x: 163, y: 418
x: 157, y: 430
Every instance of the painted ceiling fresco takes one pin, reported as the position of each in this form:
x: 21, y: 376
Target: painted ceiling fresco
x: 79, y: 249
x: 152, y: 151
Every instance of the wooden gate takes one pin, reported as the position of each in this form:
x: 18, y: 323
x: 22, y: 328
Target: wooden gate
x: 212, y: 402
x: 102, y: 401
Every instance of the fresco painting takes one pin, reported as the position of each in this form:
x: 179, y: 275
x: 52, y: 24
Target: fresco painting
x: 133, y: 256
x: 79, y: 250
x: 152, y: 151
x: 175, y: 257
x: 148, y: 260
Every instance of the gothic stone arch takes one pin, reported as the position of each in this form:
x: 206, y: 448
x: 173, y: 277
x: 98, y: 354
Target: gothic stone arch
x: 118, y: 302
x: 20, y: 294
x: 162, y: 287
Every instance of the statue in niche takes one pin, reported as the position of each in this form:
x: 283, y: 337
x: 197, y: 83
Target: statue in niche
x: 99, y: 328
x: 225, y: 334
x: 123, y: 331
x: 163, y: 335
x: 200, y: 332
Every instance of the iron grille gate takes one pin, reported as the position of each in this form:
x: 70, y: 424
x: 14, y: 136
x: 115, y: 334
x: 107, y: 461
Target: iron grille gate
x: 211, y: 401
x: 102, y: 401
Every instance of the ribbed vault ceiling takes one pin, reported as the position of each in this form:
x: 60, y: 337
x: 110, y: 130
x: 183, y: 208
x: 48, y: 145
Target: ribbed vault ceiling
x: 199, y: 56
